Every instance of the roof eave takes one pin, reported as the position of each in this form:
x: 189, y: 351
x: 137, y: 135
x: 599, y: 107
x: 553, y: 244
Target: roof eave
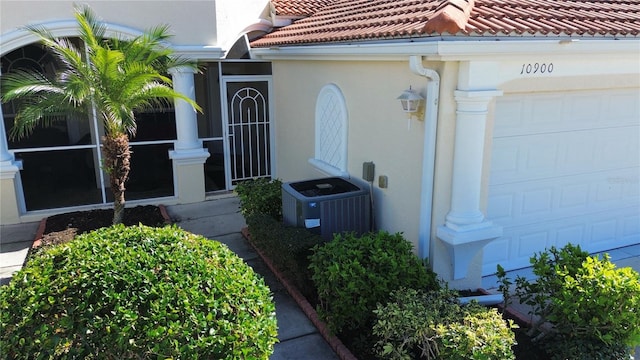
x: 454, y: 48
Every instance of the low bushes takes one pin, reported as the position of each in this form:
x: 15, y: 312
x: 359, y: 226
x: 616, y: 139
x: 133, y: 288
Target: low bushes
x: 137, y: 292
x: 432, y: 325
x: 353, y: 274
x: 260, y: 196
x: 288, y: 248
x: 592, y: 305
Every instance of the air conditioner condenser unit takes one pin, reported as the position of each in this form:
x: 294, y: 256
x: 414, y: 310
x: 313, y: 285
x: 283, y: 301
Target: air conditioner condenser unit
x: 326, y: 206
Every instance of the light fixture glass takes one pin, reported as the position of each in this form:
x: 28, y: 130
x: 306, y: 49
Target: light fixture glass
x: 410, y: 101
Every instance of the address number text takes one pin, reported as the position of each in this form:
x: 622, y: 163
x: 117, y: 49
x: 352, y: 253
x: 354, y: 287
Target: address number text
x: 536, y: 68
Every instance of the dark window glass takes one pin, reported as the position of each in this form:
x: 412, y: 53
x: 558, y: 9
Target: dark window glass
x: 207, y: 85
x: 214, y: 167
x: 55, y: 179
x: 246, y: 68
x: 156, y: 125
x: 151, y: 173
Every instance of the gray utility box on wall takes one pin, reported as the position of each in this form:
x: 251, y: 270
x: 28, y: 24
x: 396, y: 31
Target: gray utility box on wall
x: 326, y: 206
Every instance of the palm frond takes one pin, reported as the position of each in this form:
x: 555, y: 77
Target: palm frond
x: 92, y: 31
x: 43, y: 111
x: 23, y: 83
x: 158, y: 90
x: 116, y: 76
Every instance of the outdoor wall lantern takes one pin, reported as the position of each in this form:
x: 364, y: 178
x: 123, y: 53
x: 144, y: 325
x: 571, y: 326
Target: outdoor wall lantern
x: 411, y: 103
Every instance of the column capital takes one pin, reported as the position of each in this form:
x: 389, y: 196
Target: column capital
x: 474, y: 101
x: 477, y: 94
x: 182, y: 69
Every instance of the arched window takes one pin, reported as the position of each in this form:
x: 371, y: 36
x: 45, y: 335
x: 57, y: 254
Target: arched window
x: 331, y: 127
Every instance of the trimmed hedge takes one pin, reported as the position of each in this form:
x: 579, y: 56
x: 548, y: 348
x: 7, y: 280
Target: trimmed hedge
x: 353, y: 274
x: 288, y: 248
x: 260, y: 196
x: 137, y: 292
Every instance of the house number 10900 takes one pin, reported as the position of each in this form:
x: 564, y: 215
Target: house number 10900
x: 536, y: 68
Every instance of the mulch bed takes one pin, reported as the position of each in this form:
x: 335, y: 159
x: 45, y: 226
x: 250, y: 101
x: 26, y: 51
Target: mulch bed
x: 61, y: 228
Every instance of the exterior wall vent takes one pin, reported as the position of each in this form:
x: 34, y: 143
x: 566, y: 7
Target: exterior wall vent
x: 327, y: 206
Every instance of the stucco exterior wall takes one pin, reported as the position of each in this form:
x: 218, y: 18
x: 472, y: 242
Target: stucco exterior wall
x: 192, y: 22
x: 233, y: 17
x: 377, y: 130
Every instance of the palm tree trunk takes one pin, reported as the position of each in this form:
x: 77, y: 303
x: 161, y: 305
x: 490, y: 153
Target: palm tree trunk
x: 117, y: 163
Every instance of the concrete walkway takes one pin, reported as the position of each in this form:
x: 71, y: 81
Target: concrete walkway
x: 217, y: 219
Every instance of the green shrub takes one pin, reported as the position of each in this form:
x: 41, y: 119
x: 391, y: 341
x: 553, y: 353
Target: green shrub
x: 586, y: 299
x: 137, y: 292
x: 260, y: 196
x: 479, y: 333
x: 432, y: 325
x: 352, y: 274
x: 288, y: 248
x: 574, y: 348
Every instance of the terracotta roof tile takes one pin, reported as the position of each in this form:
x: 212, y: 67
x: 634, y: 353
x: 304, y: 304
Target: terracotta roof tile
x: 450, y: 17
x: 299, y: 8
x: 361, y: 20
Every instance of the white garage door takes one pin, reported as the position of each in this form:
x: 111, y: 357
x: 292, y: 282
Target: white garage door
x: 565, y: 168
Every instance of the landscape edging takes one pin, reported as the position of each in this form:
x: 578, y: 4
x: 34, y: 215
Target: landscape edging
x: 340, y: 349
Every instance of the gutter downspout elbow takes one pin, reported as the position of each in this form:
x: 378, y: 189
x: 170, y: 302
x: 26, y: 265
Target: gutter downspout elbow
x: 429, y: 152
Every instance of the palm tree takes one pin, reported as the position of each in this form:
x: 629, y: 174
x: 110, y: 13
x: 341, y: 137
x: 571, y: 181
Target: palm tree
x: 115, y: 78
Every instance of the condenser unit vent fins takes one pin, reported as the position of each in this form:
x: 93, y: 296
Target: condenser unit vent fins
x: 326, y: 206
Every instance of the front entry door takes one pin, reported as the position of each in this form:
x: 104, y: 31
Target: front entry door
x: 248, y: 128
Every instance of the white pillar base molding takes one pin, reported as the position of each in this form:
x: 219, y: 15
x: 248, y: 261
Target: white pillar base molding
x: 188, y: 174
x: 9, y: 169
x: 464, y: 242
x: 12, y: 205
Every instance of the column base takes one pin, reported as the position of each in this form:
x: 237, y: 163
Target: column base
x: 12, y: 205
x: 464, y: 242
x: 188, y: 173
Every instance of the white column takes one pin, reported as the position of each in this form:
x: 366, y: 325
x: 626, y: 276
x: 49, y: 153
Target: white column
x: 466, y: 231
x: 472, y: 109
x: 188, y: 156
x: 186, y: 116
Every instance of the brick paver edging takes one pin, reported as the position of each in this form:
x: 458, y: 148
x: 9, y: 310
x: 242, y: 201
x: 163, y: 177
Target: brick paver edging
x: 340, y: 349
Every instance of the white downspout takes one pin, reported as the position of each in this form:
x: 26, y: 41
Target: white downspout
x: 429, y: 152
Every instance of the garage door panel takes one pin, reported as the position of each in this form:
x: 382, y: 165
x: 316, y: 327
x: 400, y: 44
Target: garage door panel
x: 541, y: 156
x: 612, y: 229
x: 496, y: 252
x: 546, y: 113
x: 623, y: 107
x: 565, y: 168
x: 542, y: 200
